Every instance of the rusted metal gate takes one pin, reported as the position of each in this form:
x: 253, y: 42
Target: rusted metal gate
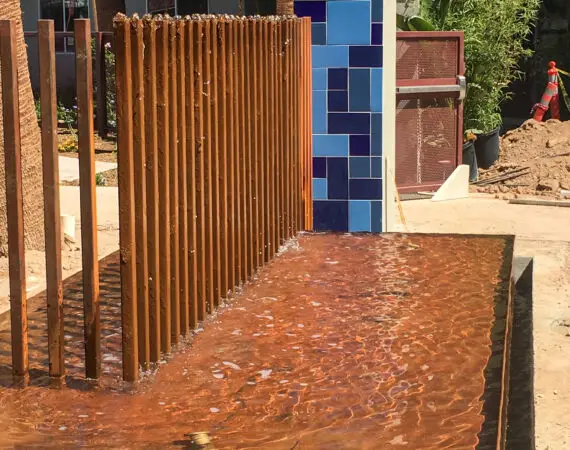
x: 430, y: 87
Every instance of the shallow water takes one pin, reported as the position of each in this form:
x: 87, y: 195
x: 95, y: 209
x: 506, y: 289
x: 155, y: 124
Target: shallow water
x: 348, y: 342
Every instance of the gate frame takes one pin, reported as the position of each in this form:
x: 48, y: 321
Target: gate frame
x: 434, y: 35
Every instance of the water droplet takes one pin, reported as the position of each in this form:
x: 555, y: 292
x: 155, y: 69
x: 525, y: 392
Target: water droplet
x: 315, y: 304
x: 283, y: 381
x: 296, y: 347
x: 161, y: 403
x: 214, y: 410
x: 251, y: 383
x: 424, y: 367
x: 256, y: 334
x: 219, y: 376
x: 236, y: 332
x: 83, y: 416
x: 62, y: 428
x: 265, y: 373
x: 300, y: 325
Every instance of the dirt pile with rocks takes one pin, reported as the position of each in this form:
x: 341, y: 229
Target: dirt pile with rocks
x: 536, y: 160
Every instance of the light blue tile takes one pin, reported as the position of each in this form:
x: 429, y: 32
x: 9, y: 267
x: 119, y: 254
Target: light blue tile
x: 348, y: 23
x: 359, y: 167
x: 330, y: 145
x: 376, y: 217
x: 319, y: 111
x: 376, y: 167
x: 319, y: 188
x: 330, y: 56
x: 376, y: 135
x: 376, y: 90
x: 359, y: 90
x: 359, y: 215
x: 319, y: 79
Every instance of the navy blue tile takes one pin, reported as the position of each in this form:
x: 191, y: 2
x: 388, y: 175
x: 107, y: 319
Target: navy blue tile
x: 348, y: 123
x: 376, y: 147
x: 330, y: 215
x: 338, y: 101
x: 338, y: 79
x: 359, y: 82
x: 319, y: 167
x: 319, y: 33
x: 337, y: 178
x: 376, y: 217
x: 365, y: 56
x: 359, y: 145
x: 316, y: 10
x: 377, y: 10
x: 376, y: 34
x: 370, y: 189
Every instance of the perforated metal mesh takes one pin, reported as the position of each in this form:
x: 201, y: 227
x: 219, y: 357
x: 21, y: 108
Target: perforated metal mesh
x: 427, y: 58
x: 426, y: 142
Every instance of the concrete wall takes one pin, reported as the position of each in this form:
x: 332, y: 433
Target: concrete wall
x: 350, y: 95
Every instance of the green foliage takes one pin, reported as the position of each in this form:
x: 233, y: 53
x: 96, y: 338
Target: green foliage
x: 111, y: 89
x: 38, y: 109
x: 100, y: 179
x: 433, y: 15
x: 67, y: 116
x: 495, y: 36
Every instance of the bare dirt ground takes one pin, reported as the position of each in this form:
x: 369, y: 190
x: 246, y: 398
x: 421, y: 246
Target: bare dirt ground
x: 108, y: 241
x: 542, y: 233
x: 541, y: 153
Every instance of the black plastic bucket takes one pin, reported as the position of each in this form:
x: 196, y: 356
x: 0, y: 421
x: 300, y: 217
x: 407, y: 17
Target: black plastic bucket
x: 487, y: 148
x: 470, y: 159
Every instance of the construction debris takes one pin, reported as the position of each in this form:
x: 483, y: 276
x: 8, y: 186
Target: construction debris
x: 534, y: 158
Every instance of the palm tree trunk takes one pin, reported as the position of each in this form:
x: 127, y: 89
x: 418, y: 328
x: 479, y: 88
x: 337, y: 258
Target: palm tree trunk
x: 31, y: 148
x: 284, y: 7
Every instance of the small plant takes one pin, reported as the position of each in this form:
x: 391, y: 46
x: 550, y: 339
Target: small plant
x: 100, y: 180
x: 69, y: 145
x: 38, y: 109
x: 67, y: 116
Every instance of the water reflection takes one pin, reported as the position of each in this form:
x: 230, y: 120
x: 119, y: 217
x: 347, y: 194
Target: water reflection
x: 352, y: 342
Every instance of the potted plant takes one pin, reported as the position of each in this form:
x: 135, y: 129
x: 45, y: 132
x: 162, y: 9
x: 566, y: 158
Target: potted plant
x: 495, y: 36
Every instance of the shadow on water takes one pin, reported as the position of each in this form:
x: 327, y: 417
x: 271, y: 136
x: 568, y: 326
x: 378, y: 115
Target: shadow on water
x: 73, y: 324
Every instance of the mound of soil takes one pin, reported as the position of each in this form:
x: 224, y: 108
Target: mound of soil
x: 542, y: 151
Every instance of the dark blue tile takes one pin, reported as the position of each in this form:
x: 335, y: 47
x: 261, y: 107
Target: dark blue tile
x: 376, y: 217
x: 338, y: 79
x: 338, y: 101
x: 376, y: 34
x: 359, y: 167
x: 359, y: 145
x: 376, y: 167
x: 337, y: 178
x: 348, y: 123
x: 330, y: 215
x: 365, y: 56
x: 319, y: 33
x: 316, y: 10
x: 365, y: 189
x: 376, y: 141
x: 377, y: 10
x: 359, y: 88
x: 319, y: 167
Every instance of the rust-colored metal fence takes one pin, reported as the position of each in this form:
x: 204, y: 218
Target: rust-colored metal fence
x: 214, y: 164
x: 214, y: 170
x: 13, y: 173
x: 429, y: 113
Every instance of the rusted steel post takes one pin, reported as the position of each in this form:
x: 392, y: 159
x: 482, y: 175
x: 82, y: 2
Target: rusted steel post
x: 243, y: 130
x: 139, y: 148
x: 208, y: 164
x: 223, y: 156
x: 173, y: 168
x: 310, y: 121
x: 164, y: 181
x: 287, y: 126
x: 267, y: 147
x: 250, y: 125
x: 275, y: 134
x: 52, y: 224
x: 215, y: 168
x: 125, y: 128
x: 191, y: 136
x: 297, y: 202
x: 255, y: 89
x: 152, y: 189
x: 14, y: 201
x: 87, y: 189
x: 231, y: 136
x: 182, y: 177
x: 200, y: 150
x: 279, y: 131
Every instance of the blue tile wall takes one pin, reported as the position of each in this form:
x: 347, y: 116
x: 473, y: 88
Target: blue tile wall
x: 347, y: 113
